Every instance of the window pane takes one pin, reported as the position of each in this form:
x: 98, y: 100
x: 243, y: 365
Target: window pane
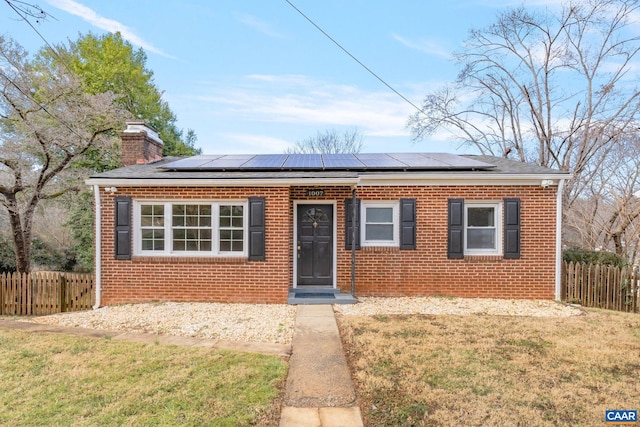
x: 192, y: 246
x: 225, y: 246
x: 237, y: 246
x: 178, y: 245
x: 379, y: 215
x: 179, y: 234
x: 236, y: 234
x: 379, y: 232
x: 225, y: 211
x: 237, y: 222
x: 225, y: 234
x: 177, y: 209
x: 225, y: 221
x: 205, y: 245
x: 238, y: 210
x: 191, y: 221
x: 151, y: 215
x: 480, y: 217
x: 481, y: 238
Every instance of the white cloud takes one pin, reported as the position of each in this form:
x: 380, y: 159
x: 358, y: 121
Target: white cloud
x: 428, y: 46
x: 300, y: 100
x: 259, y: 25
x: 106, y: 24
x: 247, y: 143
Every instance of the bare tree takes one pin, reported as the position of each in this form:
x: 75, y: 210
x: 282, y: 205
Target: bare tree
x: 607, y: 214
x: 47, y: 124
x: 329, y: 141
x: 554, y: 89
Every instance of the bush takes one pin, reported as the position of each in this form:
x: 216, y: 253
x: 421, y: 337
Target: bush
x: 589, y: 256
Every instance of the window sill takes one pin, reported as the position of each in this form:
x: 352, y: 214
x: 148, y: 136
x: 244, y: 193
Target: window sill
x: 483, y: 258
x: 189, y: 259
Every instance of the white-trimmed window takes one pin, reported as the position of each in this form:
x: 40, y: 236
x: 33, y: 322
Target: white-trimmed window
x: 482, y: 229
x: 380, y: 224
x: 190, y: 228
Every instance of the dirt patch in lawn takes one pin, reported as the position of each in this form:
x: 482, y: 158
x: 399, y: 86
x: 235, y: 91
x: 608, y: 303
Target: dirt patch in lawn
x: 439, y: 370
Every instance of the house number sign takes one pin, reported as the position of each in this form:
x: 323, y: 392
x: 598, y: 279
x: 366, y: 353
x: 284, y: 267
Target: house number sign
x: 315, y: 193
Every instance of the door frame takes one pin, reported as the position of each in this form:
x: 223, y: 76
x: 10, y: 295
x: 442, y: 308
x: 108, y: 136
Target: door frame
x: 334, y: 261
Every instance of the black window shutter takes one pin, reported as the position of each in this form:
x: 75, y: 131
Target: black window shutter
x: 123, y: 227
x: 348, y: 226
x: 512, y: 228
x: 407, y: 223
x: 455, y: 247
x: 256, y: 229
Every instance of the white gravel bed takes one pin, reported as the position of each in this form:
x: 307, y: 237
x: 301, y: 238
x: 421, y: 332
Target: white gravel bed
x: 268, y: 323
x: 274, y: 323
x: 371, y: 306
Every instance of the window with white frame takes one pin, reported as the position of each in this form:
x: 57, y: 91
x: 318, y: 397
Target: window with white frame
x: 380, y: 224
x: 190, y: 228
x: 482, y: 229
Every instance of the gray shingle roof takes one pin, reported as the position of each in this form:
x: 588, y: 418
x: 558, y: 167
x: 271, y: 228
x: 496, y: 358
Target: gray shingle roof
x: 158, y: 170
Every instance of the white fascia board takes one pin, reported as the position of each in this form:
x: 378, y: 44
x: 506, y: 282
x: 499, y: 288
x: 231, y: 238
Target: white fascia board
x: 446, y: 179
x: 279, y: 182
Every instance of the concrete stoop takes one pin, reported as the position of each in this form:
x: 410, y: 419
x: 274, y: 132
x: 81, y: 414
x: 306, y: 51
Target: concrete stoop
x: 319, y: 391
x: 319, y: 296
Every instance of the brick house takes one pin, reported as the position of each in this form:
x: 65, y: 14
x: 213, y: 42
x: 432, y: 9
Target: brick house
x: 317, y: 228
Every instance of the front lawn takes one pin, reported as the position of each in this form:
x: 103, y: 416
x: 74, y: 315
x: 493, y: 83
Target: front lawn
x: 57, y: 380
x: 478, y: 370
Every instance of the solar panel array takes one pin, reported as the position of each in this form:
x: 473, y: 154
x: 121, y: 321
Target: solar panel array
x: 352, y: 161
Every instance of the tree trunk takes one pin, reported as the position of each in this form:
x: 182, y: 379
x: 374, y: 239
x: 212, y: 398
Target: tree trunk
x: 21, y: 237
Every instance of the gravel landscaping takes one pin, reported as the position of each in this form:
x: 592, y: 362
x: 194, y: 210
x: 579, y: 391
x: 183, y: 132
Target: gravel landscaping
x: 274, y: 323
x: 457, y: 306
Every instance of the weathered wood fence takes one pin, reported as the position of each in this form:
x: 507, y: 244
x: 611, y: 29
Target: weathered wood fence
x: 601, y: 286
x: 41, y: 293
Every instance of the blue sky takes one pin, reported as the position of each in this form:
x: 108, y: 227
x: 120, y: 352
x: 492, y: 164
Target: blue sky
x: 253, y: 76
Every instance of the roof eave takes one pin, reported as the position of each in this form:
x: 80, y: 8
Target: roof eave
x: 220, y: 182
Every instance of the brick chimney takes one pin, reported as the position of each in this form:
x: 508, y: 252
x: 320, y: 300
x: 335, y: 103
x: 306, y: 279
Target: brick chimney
x: 140, y: 144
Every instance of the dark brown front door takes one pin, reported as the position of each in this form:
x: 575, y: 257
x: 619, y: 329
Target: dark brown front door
x: 315, y: 245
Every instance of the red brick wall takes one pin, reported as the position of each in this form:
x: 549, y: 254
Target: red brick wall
x: 428, y: 271
x: 205, y: 279
x: 379, y: 271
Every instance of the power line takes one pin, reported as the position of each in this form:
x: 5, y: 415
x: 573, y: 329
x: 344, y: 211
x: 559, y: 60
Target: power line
x: 420, y: 110
x: 22, y: 13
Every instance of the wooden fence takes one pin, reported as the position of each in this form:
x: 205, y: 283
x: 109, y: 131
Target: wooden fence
x: 41, y: 293
x: 601, y: 286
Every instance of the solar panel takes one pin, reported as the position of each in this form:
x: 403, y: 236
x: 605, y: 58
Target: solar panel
x: 341, y: 161
x: 266, y: 161
x: 415, y: 160
x: 338, y: 161
x: 304, y: 161
x: 375, y: 160
x: 194, y: 162
x: 458, y: 162
x: 228, y: 161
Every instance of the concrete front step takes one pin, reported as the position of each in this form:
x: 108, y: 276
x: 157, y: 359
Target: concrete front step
x: 317, y: 295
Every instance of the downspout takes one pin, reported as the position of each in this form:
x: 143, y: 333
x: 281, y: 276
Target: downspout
x: 98, y: 239
x: 559, y: 240
x: 353, y: 240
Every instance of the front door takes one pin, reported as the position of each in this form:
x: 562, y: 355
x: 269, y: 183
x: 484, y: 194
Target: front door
x: 315, y: 245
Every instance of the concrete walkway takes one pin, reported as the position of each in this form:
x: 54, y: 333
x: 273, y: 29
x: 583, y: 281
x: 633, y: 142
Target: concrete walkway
x: 319, y: 391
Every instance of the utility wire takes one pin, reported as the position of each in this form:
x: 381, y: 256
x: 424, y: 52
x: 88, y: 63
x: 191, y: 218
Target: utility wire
x: 420, y: 110
x: 20, y: 12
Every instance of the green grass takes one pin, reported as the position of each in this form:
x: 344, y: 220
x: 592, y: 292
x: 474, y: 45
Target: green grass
x: 58, y: 380
x: 493, y: 370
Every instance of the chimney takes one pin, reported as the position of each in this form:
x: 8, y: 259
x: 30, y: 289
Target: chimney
x: 140, y: 144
